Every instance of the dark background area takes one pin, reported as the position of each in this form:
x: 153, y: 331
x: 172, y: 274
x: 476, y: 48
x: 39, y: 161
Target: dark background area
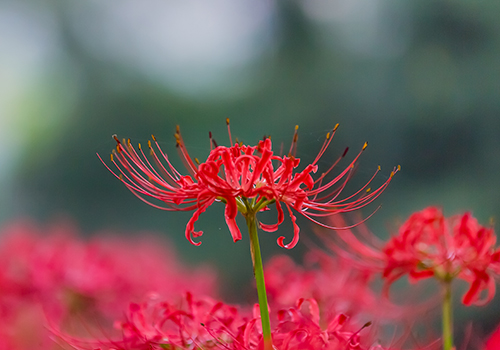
x: 419, y: 80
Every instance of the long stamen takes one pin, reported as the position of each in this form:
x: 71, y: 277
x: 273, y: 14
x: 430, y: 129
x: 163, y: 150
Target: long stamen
x: 229, y: 132
x: 212, y: 142
x: 320, y: 179
x: 326, y: 143
x: 293, y: 146
x: 183, y: 153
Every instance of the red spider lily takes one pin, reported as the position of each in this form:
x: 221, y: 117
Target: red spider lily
x: 245, y: 178
x: 430, y: 245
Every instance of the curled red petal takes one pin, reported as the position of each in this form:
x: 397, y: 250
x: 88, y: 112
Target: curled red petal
x: 190, y: 225
x: 274, y: 227
x: 296, y: 231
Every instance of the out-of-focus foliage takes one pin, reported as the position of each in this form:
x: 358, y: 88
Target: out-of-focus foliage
x: 418, y: 80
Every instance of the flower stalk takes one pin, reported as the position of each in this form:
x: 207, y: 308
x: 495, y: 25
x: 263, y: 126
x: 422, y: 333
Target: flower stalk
x: 258, y: 271
x: 447, y: 317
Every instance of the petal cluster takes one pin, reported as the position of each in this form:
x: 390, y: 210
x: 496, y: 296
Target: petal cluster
x: 246, y: 179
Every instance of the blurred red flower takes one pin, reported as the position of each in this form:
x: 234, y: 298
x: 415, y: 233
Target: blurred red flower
x: 430, y: 245
x: 52, y: 278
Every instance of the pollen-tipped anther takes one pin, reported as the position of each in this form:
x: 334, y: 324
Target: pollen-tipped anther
x: 116, y: 138
x: 227, y: 121
x: 149, y: 144
x: 365, y: 145
x: 336, y: 126
x: 153, y: 137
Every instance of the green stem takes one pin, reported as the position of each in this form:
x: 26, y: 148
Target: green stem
x: 447, y: 318
x: 258, y: 271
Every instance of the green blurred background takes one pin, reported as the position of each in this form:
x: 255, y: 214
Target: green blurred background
x: 419, y: 80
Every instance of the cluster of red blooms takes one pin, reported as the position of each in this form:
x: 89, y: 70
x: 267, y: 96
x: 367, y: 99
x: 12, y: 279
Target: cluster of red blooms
x: 52, y: 280
x: 49, y: 278
x: 204, y: 323
x: 51, y: 275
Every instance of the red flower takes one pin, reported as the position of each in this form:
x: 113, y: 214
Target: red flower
x: 245, y: 178
x: 430, y: 245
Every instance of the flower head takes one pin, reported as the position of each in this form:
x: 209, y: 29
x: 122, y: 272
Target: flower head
x: 245, y: 178
x: 430, y: 245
